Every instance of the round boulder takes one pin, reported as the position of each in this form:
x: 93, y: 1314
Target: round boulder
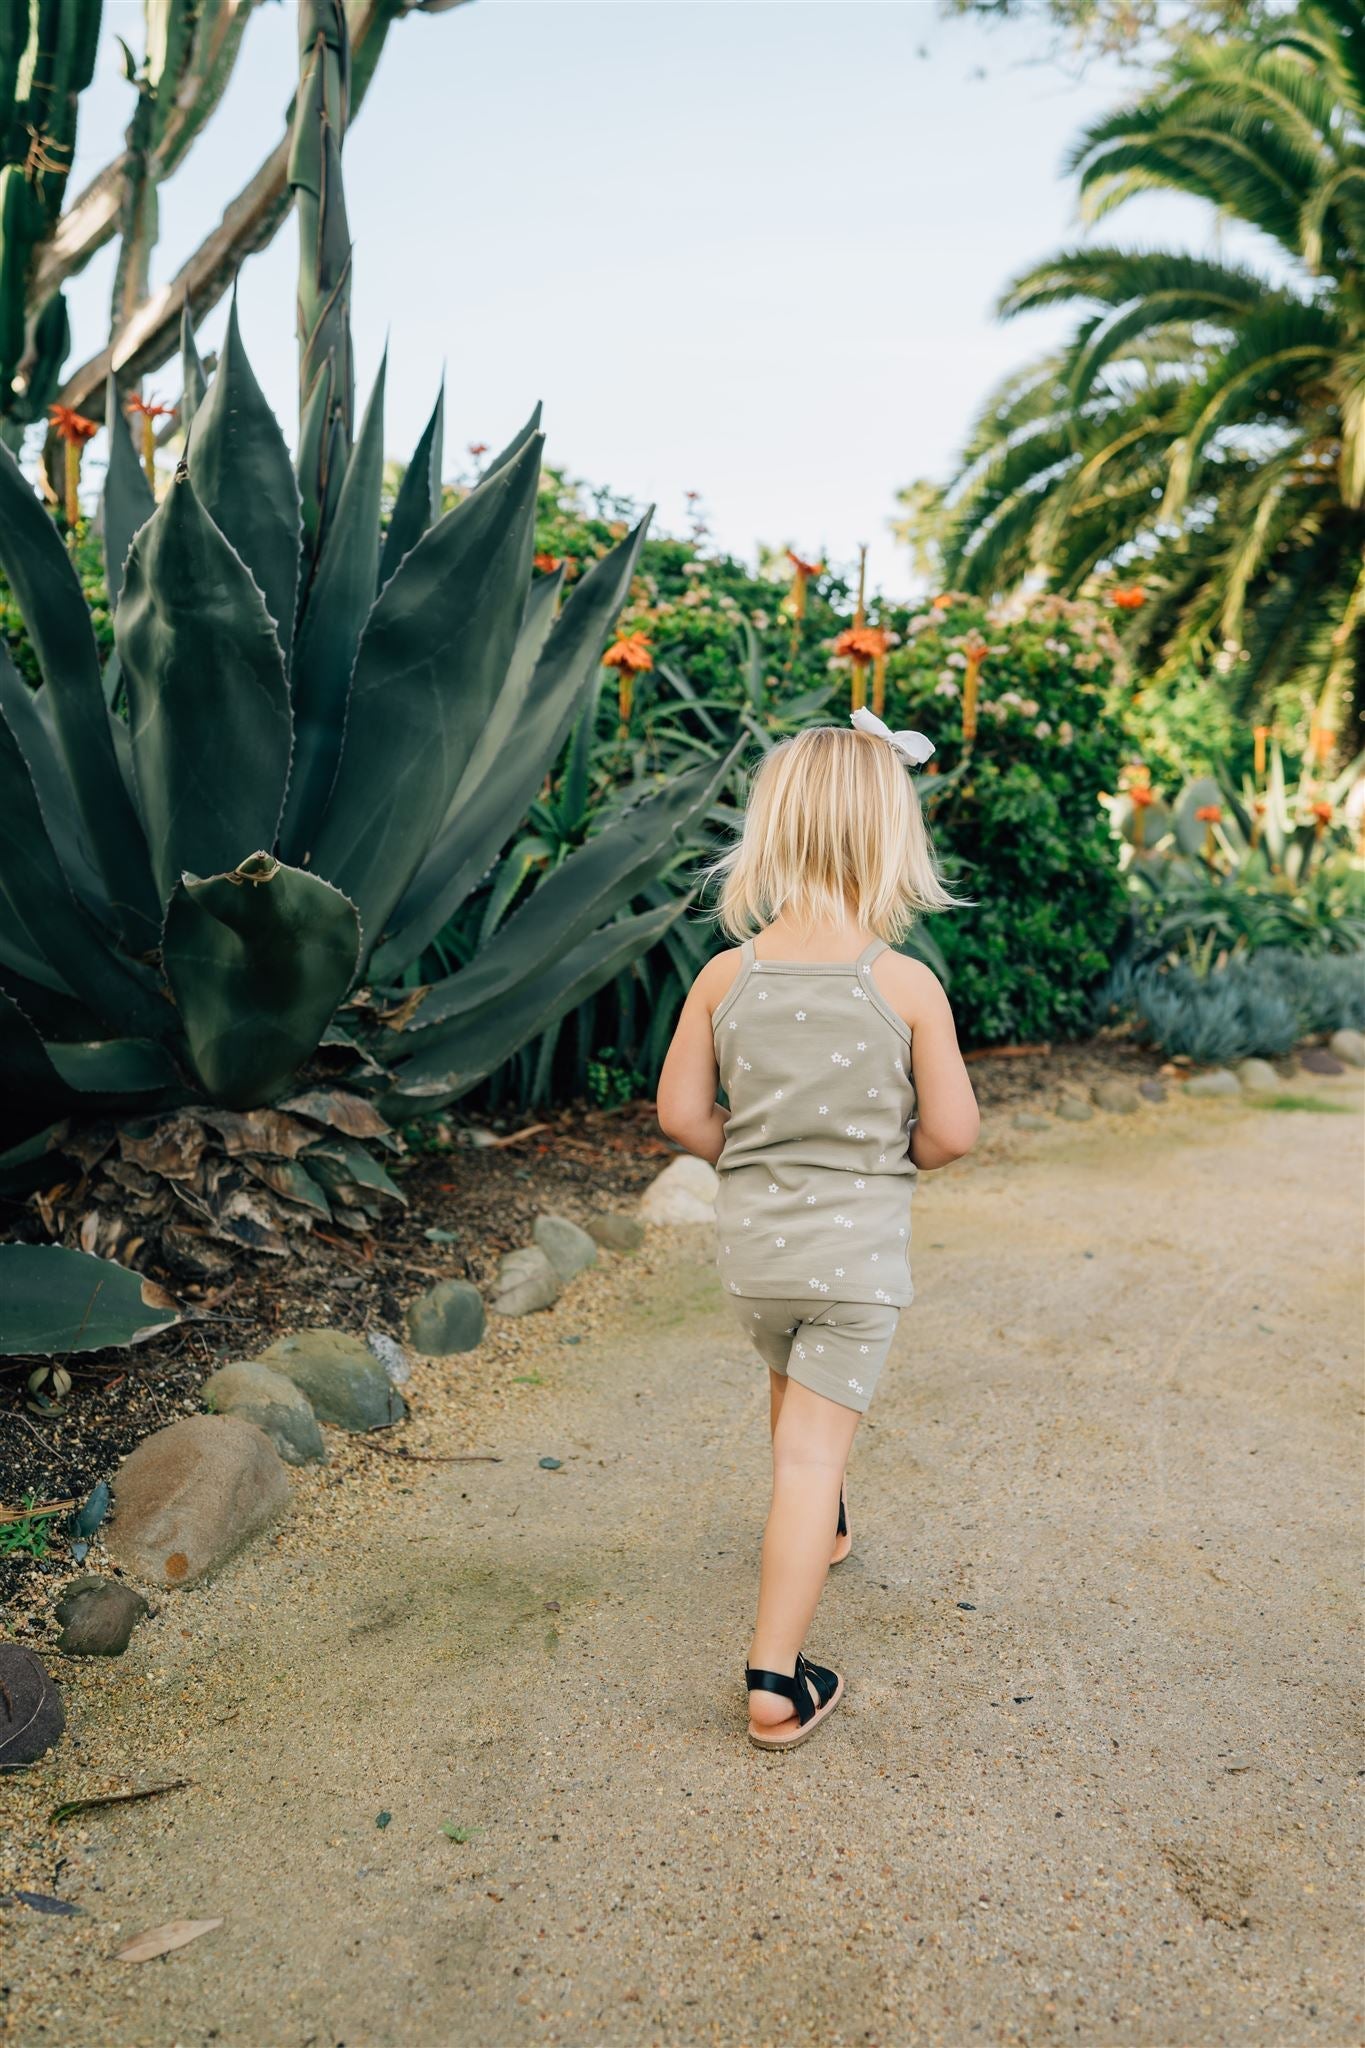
x: 252, y: 1391
x: 568, y: 1247
x: 98, y: 1617
x: 31, y: 1713
x: 1217, y: 1081
x: 685, y: 1192
x: 191, y: 1495
x: 1258, y: 1077
x: 449, y: 1317
x: 1119, y: 1098
x: 1348, y: 1046
x: 343, y: 1380
x: 526, y: 1281
x: 616, y: 1232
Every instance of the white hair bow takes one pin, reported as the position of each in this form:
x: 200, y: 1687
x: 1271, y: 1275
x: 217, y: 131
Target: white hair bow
x: 912, y: 745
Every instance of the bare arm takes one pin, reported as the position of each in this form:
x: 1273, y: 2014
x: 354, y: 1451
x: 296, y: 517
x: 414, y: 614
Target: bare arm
x: 949, y: 1121
x: 687, y: 1108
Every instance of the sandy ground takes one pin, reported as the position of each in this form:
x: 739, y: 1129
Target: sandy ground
x: 1094, y: 1777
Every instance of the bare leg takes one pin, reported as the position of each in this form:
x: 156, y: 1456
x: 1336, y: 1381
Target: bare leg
x: 777, y: 1387
x: 810, y: 1449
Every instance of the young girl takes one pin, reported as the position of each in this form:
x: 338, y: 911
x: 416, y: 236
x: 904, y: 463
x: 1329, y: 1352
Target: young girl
x: 840, y: 1064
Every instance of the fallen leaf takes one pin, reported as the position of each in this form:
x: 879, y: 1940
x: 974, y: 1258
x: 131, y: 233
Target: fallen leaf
x: 159, y: 1941
x: 70, y: 1807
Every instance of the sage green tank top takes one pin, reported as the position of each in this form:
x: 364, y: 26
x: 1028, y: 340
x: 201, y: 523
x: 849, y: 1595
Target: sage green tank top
x: 816, y: 1173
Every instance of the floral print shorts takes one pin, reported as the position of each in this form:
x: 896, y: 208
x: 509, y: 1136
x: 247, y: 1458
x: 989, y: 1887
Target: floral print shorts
x: 837, y: 1349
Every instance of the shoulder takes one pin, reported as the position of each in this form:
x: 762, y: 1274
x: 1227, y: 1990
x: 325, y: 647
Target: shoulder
x: 913, y: 990
x: 718, y: 977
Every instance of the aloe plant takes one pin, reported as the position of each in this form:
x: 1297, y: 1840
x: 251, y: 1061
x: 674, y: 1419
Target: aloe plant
x: 226, y: 851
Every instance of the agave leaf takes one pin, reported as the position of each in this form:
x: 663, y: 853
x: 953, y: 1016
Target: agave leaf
x: 207, y: 698
x: 590, y: 886
x: 418, y: 504
x: 116, y: 1066
x: 63, y: 932
x: 487, y: 807
x: 35, y: 1162
x: 191, y: 372
x: 20, y: 708
x: 34, y: 1094
x: 245, y: 480
x: 348, y: 1160
x: 464, y: 1052
x: 335, y: 610
x: 49, y: 596
x: 514, y: 446
x: 258, y: 960
x: 128, y: 501
x: 435, y: 650
x: 54, y: 1300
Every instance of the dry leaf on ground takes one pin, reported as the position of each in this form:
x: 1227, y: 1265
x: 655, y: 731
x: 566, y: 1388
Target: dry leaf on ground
x: 159, y: 1941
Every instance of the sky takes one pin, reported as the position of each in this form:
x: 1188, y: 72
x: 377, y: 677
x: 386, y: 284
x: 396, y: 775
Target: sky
x: 748, y: 248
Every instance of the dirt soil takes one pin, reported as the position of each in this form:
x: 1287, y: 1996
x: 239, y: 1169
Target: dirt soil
x: 466, y: 1740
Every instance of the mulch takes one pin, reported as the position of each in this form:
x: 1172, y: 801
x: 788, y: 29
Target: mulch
x: 466, y: 1205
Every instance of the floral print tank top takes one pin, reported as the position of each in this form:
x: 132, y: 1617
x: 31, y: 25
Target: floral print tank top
x: 816, y: 1173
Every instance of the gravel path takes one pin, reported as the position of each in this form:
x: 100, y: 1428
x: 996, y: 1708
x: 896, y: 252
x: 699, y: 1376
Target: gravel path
x: 1093, y: 1780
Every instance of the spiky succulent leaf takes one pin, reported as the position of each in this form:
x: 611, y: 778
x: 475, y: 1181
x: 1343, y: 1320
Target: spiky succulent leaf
x: 244, y: 479
x: 191, y: 372
x: 54, y: 1300
x: 22, y: 710
x: 335, y: 610
x: 435, y: 651
x: 460, y: 1054
x: 502, y: 778
x: 590, y: 886
x: 34, y: 1094
x: 115, y: 1066
x: 207, y: 698
x: 418, y: 503
x: 128, y: 501
x: 48, y: 593
x: 62, y: 932
x: 258, y: 960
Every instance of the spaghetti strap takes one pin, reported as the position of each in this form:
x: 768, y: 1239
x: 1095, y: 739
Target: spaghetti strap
x: 870, y: 953
x: 746, y: 954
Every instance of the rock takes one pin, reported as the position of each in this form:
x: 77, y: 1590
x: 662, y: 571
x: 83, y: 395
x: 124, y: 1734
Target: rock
x: 1029, y: 1120
x: 1348, y: 1046
x: 1152, y: 1090
x: 98, y: 1617
x: 391, y: 1356
x: 685, y: 1192
x: 32, y: 1716
x: 1074, y: 1110
x: 568, y: 1248
x: 341, y: 1376
x: 257, y: 1394
x: 1315, y: 1059
x: 526, y: 1281
x: 616, y: 1232
x: 449, y: 1317
x: 1258, y: 1077
x: 192, y: 1494
x: 1215, y: 1081
x: 1119, y: 1098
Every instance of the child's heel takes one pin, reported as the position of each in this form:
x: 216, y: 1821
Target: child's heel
x: 808, y: 1678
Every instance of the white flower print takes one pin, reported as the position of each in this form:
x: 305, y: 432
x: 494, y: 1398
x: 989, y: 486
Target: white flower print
x: 746, y: 1223
x: 857, y: 993
x: 779, y: 1242
x: 881, y: 1159
x: 901, y: 1231
x: 772, y: 1187
x: 871, y: 1093
x: 733, y: 1024
x: 745, y: 1066
x: 854, y: 1384
x: 862, y: 1045
x: 824, y: 1109
x: 800, y: 1016
x: 763, y: 995
x: 854, y: 1131
x: 863, y: 1349
x: 758, y: 1315
x: 733, y: 1288
x: 874, y: 1256
x: 882, y: 1295
x: 839, y: 1060
x: 777, y: 1097
x: 838, y: 1272
x: 860, y: 1183
x: 810, y: 1201
x: 867, y: 970
x: 819, y: 1347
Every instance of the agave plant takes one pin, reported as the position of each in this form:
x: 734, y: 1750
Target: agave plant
x: 310, y: 744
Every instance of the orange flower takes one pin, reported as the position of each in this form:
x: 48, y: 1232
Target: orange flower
x: 1322, y: 812
x: 478, y: 448
x: 1130, y: 598
x: 942, y: 601
x: 548, y: 563
x: 976, y: 650
x: 804, y: 569
x: 1321, y: 741
x: 73, y: 427
x: 630, y: 657
x: 148, y: 408
x: 862, y: 643
x: 1209, y: 814
x: 1140, y: 795
x: 1260, y: 734
x: 75, y: 430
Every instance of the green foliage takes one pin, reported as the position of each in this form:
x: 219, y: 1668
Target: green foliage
x: 1262, y: 1003
x: 1016, y: 815
x: 612, y: 1082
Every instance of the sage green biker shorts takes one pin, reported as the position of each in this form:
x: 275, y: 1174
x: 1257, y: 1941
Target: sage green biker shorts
x: 837, y: 1350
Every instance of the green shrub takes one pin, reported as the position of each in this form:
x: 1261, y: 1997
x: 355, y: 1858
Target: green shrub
x: 1261, y: 1003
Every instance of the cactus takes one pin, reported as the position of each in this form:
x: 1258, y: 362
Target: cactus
x: 313, y: 772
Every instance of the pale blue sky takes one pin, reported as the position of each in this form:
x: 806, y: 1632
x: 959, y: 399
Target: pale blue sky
x: 747, y: 247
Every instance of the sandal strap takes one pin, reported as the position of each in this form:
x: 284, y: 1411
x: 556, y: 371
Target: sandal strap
x: 842, y: 1527
x: 773, y: 1681
x: 795, y: 1687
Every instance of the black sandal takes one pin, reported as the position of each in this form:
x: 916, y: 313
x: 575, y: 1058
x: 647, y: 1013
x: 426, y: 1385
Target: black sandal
x: 829, y: 1690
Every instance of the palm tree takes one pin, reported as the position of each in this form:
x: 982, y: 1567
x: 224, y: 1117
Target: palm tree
x: 1201, y: 436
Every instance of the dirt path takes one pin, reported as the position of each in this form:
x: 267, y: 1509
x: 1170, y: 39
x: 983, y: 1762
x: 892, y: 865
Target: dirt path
x: 1094, y: 1779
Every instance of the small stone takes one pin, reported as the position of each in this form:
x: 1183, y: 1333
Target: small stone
x: 550, y: 1464
x: 391, y: 1356
x: 567, y: 1246
x: 98, y: 1617
x: 191, y: 1495
x: 616, y: 1232
x: 1152, y: 1090
x: 257, y: 1394
x: 1074, y: 1110
x: 1348, y: 1046
x: 1258, y: 1077
x: 526, y: 1281
x: 1214, y: 1081
x: 31, y: 1713
x: 1119, y: 1098
x: 1239, y: 1763
x: 449, y: 1317
x: 1029, y: 1120
x: 685, y: 1192
x: 1315, y: 1059
x: 341, y: 1376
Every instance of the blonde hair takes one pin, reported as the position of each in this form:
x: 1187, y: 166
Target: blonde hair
x: 832, y: 827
